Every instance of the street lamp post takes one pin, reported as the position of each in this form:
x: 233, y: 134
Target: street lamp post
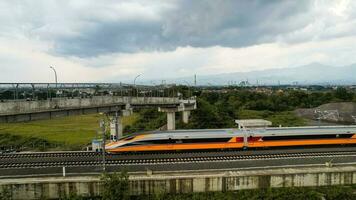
x: 189, y: 92
x: 55, y: 76
x: 135, y: 84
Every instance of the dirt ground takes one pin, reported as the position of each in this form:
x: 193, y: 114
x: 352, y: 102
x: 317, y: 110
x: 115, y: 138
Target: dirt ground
x: 329, y: 114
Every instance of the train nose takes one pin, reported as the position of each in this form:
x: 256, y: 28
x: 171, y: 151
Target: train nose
x: 114, y: 145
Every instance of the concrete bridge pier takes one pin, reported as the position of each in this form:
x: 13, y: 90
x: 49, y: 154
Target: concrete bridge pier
x: 171, y: 117
x: 127, y: 111
x: 185, y: 116
x: 171, y: 120
x: 185, y: 107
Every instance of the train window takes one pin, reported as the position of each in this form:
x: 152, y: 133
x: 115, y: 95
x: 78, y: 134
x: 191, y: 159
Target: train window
x: 205, y: 140
x: 297, y: 137
x: 179, y: 141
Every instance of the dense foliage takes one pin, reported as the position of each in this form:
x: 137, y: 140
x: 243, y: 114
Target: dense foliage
x: 218, y: 108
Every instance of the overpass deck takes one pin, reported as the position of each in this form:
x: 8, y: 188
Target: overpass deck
x: 22, y: 110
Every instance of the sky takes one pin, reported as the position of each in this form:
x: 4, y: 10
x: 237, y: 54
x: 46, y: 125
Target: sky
x: 114, y: 41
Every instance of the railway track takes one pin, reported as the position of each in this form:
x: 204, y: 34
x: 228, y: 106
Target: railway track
x: 40, y: 163
x: 49, y: 154
x: 93, y: 155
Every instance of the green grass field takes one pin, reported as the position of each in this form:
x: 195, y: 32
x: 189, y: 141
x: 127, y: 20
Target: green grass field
x: 68, y: 132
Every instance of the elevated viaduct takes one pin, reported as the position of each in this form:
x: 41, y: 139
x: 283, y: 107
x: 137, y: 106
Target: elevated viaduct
x: 21, y: 102
x: 23, y: 110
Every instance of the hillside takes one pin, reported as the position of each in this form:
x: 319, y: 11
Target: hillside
x: 313, y: 73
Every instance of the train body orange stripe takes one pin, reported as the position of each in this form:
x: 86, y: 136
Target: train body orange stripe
x: 167, y: 147
x: 255, y: 144
x: 301, y: 142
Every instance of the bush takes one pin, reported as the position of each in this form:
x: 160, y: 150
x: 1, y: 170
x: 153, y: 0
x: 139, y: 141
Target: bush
x: 5, y: 194
x: 115, y: 186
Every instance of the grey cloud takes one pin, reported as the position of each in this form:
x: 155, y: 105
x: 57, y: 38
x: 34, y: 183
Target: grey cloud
x: 232, y: 23
x: 191, y: 23
x: 111, y: 37
x: 229, y: 23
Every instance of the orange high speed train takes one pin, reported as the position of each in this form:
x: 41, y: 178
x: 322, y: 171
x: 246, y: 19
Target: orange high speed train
x: 205, y: 139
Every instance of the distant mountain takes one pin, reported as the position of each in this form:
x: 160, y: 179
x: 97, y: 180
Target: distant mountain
x: 313, y: 73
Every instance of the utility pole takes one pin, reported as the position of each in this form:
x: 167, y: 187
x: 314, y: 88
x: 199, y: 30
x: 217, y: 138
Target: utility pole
x: 103, y: 129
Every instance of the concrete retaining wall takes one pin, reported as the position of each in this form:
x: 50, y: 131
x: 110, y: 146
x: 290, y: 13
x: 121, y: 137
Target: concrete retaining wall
x: 184, y: 182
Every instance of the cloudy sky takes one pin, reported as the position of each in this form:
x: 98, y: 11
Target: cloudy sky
x: 113, y: 41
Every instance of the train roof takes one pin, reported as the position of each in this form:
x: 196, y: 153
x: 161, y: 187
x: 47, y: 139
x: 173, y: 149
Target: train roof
x: 223, y: 133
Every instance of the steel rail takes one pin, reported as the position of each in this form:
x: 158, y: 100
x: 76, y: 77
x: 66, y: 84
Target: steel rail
x: 155, y: 161
x: 49, y: 154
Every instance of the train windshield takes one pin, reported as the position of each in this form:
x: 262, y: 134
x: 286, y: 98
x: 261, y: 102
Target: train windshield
x: 128, y: 138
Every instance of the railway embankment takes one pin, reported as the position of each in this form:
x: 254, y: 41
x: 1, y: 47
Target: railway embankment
x: 41, y: 175
x: 149, y: 182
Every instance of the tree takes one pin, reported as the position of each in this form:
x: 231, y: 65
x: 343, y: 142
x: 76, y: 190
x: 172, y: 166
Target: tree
x: 115, y: 186
x: 343, y: 94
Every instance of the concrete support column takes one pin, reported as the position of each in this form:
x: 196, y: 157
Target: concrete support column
x: 185, y: 116
x: 128, y: 110
x: 171, y: 120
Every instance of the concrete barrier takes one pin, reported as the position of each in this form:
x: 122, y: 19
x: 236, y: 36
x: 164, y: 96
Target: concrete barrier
x: 184, y: 181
